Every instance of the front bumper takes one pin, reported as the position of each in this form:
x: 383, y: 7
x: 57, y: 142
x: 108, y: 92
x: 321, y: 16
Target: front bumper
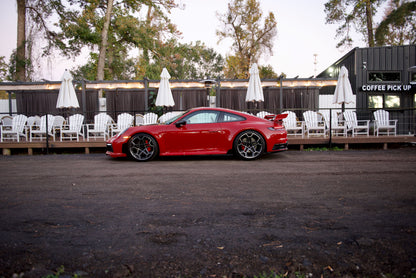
x: 110, y: 152
x: 279, y: 147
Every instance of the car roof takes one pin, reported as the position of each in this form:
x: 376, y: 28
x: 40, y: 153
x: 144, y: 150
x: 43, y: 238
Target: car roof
x: 246, y: 115
x: 217, y: 109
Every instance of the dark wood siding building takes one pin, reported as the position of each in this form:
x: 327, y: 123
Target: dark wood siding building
x: 382, y: 78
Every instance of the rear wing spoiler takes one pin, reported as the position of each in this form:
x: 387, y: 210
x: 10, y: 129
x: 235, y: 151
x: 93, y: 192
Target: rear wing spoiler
x: 276, y: 119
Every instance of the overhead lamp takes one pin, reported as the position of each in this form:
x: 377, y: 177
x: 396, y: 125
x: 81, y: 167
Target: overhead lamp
x: 208, y: 82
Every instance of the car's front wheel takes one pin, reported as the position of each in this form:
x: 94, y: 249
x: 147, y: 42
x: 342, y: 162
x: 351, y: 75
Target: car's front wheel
x: 249, y: 145
x: 143, y: 147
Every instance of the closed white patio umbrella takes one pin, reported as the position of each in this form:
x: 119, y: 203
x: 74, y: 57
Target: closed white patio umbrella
x: 254, y: 91
x: 67, y: 97
x: 343, y: 91
x: 164, y: 94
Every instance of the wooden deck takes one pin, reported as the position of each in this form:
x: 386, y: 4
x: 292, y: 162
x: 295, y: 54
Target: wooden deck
x: 294, y: 142
x: 346, y: 142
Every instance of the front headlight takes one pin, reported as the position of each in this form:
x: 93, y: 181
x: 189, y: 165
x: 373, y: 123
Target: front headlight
x: 121, y: 133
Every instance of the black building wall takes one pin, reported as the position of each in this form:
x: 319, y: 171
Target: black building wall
x: 363, y: 62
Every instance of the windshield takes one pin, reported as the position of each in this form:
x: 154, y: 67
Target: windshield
x: 171, y: 120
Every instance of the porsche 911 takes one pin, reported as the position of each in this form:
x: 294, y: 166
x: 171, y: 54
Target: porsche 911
x: 202, y: 131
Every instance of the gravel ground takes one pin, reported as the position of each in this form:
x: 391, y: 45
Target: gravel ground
x: 325, y: 214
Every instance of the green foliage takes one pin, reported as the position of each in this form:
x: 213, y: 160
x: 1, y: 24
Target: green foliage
x: 398, y: 27
x: 15, y: 63
x: 183, y: 61
x: 267, y: 72
x: 252, y: 35
x: 357, y: 14
x: 323, y: 149
x: 127, y: 32
x: 121, y: 68
x: 81, y: 25
x: 3, y: 69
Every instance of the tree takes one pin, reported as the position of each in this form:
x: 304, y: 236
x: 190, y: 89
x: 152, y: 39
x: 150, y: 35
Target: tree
x: 252, y: 35
x: 399, y: 24
x: 183, y: 61
x: 32, y: 16
x: 356, y: 13
x: 104, y: 40
x: 20, y: 56
x: 111, y: 28
x: 267, y: 72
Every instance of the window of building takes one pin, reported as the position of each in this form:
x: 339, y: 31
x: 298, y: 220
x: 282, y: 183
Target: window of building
x: 387, y: 76
x: 413, y: 77
x: 391, y: 101
x: 375, y: 101
x: 384, y: 101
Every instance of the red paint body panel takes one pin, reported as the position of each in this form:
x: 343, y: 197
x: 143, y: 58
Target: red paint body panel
x: 201, y: 138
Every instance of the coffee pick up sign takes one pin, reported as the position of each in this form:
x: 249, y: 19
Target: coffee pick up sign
x: 386, y: 88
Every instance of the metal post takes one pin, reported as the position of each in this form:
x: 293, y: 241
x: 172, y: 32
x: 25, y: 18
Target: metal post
x: 146, y: 94
x: 330, y: 128
x: 47, y: 135
x: 281, y: 94
x: 207, y: 97
x: 84, y: 98
x: 84, y: 105
x: 218, y: 93
x: 10, y: 103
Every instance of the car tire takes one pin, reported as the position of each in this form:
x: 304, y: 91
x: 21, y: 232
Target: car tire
x: 249, y: 145
x: 143, y: 147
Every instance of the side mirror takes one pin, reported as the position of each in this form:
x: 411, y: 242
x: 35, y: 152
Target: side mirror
x: 180, y: 123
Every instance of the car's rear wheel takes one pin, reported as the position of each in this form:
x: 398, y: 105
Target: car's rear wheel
x: 143, y: 147
x: 249, y: 145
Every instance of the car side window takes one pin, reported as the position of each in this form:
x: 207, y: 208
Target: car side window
x: 202, y: 117
x: 229, y: 117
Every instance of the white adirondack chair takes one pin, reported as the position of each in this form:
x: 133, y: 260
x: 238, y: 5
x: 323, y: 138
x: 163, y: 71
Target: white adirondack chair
x: 15, y: 130
x: 100, y: 128
x: 292, y: 125
x: 337, y: 127
x: 262, y: 114
x: 124, y: 121
x: 167, y: 116
x: 74, y: 129
x: 58, y: 122
x: 6, y: 120
x: 382, y: 122
x: 313, y: 125
x: 149, y: 118
x: 357, y: 127
x: 139, y: 119
x: 41, y: 131
x: 31, y: 121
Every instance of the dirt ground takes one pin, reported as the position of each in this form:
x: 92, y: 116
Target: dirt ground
x: 320, y: 214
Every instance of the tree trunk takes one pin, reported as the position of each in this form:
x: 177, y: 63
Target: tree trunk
x: 104, y: 41
x: 369, y: 15
x: 21, y: 41
x: 149, y: 24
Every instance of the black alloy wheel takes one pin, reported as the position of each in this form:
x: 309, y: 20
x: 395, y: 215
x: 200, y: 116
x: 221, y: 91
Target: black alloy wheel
x: 143, y: 147
x: 249, y: 145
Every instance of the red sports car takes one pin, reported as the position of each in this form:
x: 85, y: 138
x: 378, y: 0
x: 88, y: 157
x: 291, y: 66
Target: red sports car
x: 202, y: 131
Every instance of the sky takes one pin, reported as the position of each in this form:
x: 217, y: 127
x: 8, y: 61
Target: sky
x: 301, y: 33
